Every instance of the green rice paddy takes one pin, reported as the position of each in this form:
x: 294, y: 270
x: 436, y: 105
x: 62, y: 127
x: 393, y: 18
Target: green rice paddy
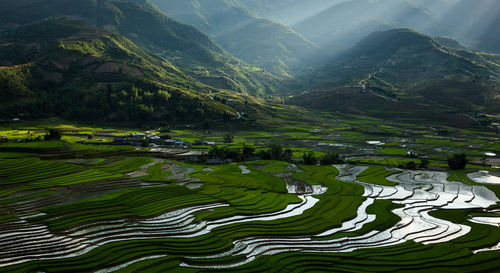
x: 106, y: 208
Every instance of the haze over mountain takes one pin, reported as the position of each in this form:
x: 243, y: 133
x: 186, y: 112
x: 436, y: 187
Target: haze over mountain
x: 288, y: 12
x: 475, y: 22
x: 239, y: 27
x: 345, y: 24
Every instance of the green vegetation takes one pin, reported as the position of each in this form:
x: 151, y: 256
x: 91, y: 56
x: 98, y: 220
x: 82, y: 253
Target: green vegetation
x: 156, y: 173
x: 377, y: 175
x: 457, y: 161
x: 309, y: 158
x: 159, y: 186
x: 139, y: 203
x: 133, y: 83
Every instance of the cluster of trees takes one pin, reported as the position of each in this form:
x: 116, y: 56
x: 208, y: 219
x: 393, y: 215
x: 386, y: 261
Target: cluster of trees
x: 228, y: 138
x: 238, y: 155
x: 329, y: 159
x: 276, y: 152
x: 53, y: 134
x: 272, y: 152
x: 412, y: 165
x: 455, y: 162
x: 145, y: 101
x: 141, y: 100
x: 458, y: 161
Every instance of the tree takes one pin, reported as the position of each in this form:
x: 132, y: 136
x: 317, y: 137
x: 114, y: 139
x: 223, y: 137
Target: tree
x: 247, y: 152
x: 276, y: 151
x: 331, y: 158
x: 165, y: 129
x: 424, y: 163
x: 205, y: 125
x: 411, y: 165
x: 228, y: 138
x: 265, y: 154
x: 53, y: 134
x: 458, y: 161
x: 287, y: 155
x: 309, y: 158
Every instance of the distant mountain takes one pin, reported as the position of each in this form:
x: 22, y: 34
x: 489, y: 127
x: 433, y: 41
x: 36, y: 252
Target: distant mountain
x: 236, y: 25
x: 73, y: 70
x: 400, y: 58
x: 438, y: 7
x: 477, y: 23
x: 272, y: 46
x: 288, y: 12
x: 150, y: 28
x: 210, y: 16
x: 404, y: 73
x: 343, y: 25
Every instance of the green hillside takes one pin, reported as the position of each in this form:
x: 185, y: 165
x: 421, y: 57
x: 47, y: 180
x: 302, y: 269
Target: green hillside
x: 401, y: 58
x: 73, y: 70
x: 150, y: 28
x: 404, y: 74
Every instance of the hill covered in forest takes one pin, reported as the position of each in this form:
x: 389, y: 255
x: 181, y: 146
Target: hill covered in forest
x: 77, y: 71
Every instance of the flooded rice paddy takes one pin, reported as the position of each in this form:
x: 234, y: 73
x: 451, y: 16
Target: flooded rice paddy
x: 417, y: 192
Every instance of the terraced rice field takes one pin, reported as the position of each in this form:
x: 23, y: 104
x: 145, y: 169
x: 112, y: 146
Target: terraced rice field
x: 141, y: 214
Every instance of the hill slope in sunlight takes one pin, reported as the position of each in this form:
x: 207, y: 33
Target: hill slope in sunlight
x: 74, y: 70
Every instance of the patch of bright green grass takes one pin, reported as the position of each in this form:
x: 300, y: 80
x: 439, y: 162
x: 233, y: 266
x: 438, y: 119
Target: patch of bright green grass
x: 460, y: 176
x: 377, y: 175
x: 316, y: 175
x: 392, y: 151
x: 155, y: 173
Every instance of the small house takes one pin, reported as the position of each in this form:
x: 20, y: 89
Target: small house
x: 179, y: 142
x: 411, y: 154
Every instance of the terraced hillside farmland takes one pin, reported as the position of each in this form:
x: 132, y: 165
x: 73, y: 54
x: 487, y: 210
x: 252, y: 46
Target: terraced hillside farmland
x: 90, y: 206
x: 114, y: 215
